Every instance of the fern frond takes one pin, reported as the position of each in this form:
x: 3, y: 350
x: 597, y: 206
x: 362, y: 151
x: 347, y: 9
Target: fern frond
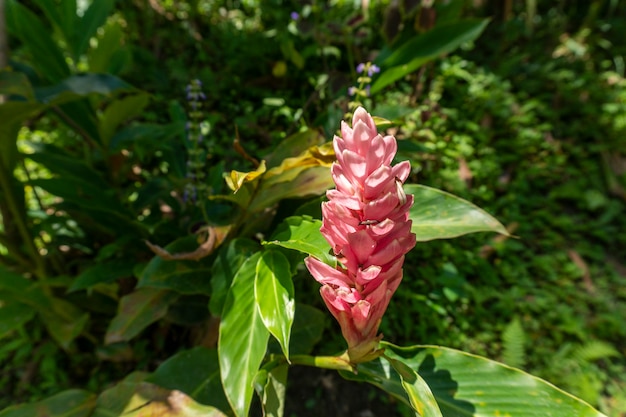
x: 513, y: 340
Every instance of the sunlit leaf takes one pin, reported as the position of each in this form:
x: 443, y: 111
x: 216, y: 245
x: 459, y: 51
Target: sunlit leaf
x: 138, y: 310
x: 274, y: 293
x: 302, y: 233
x: 417, y: 390
x: 468, y: 385
x: 243, y: 339
x: 439, y: 215
x: 70, y: 403
x: 236, y: 179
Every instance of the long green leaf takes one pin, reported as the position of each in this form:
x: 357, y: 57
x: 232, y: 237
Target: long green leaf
x: 137, y: 311
x: 243, y: 339
x: 113, y: 401
x: 274, y: 293
x: 71, y: 403
x: 13, y: 316
x: 302, y: 233
x: 426, y: 47
x: 439, y: 215
x: 196, y: 373
x: 183, y: 276
x: 417, y: 390
x: 94, y: 17
x: 26, y: 26
x: 467, y: 385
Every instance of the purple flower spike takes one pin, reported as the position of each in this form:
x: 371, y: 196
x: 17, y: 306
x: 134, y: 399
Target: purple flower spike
x: 360, y: 68
x: 374, y: 69
x: 295, y: 16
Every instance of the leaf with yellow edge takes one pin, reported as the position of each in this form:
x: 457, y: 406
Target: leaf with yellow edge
x: 236, y: 179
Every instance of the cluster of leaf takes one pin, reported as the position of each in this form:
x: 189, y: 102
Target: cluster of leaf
x: 92, y: 166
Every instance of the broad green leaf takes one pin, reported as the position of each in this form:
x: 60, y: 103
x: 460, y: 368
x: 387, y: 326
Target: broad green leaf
x: 271, y: 386
x: 13, y: 316
x: 16, y: 83
x: 307, y: 330
x: 152, y: 401
x: 297, y: 182
x: 137, y: 311
x: 417, y: 390
x: 102, y: 273
x: 113, y: 401
x: 185, y: 277
x: 243, y: 339
x: 119, y: 111
x: 226, y: 264
x: 294, y: 145
x: 70, y: 403
x: 274, y: 293
x: 82, y: 85
x: 94, y: 17
x: 302, y: 233
x: 110, y: 38
x: 468, y: 385
x: 423, y: 48
x: 236, y: 179
x: 439, y: 215
x: 196, y: 373
x: 65, y: 322
x: 26, y: 26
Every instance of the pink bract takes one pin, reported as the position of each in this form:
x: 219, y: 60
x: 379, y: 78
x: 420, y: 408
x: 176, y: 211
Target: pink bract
x: 366, y: 221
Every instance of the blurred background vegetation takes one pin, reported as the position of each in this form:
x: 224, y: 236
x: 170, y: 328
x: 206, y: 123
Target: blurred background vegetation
x: 528, y: 121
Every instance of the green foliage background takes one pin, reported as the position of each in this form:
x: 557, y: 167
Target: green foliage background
x: 528, y: 121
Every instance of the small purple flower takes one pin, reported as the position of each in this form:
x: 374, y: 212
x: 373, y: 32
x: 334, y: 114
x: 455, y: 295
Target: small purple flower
x: 367, y: 90
x: 360, y: 68
x: 373, y: 69
x: 351, y: 91
x: 294, y: 16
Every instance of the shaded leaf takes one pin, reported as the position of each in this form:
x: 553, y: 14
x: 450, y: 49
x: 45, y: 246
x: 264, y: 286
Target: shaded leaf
x: 103, y: 273
x: 27, y: 27
x: 119, y: 111
x: 439, y: 215
x: 137, y: 311
x: 13, y: 316
x: 272, y: 387
x: 153, y: 401
x: 423, y: 48
x: 16, y: 83
x: 70, y: 403
x: 196, y: 373
x: 183, y: 276
x: 243, y: 339
x: 82, y: 85
x: 274, y: 293
x: 113, y: 401
x: 302, y: 233
x: 94, y: 17
x: 307, y: 330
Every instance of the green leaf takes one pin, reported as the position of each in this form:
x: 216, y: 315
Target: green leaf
x: 196, y: 373
x: 119, y: 111
x: 469, y: 385
x: 12, y: 114
x: 226, y: 264
x: 424, y: 48
x: 137, y: 311
x: 16, y: 83
x: 302, y: 233
x: 70, y: 403
x: 82, y: 85
x: 113, y: 401
x: 103, y: 273
x: 417, y: 390
x: 64, y: 321
x: 274, y: 293
x: 94, y: 17
x: 13, y: 316
x: 294, y: 145
x: 243, y: 339
x: 272, y: 390
x: 439, y: 215
x: 185, y: 277
x: 26, y: 26
x: 307, y: 330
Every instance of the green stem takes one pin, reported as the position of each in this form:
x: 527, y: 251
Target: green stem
x: 20, y: 223
x: 338, y: 363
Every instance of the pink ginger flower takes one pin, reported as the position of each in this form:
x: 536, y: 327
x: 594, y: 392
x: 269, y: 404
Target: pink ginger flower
x: 366, y: 221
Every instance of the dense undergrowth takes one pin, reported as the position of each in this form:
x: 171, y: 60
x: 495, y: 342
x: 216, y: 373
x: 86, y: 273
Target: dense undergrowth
x: 528, y: 122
